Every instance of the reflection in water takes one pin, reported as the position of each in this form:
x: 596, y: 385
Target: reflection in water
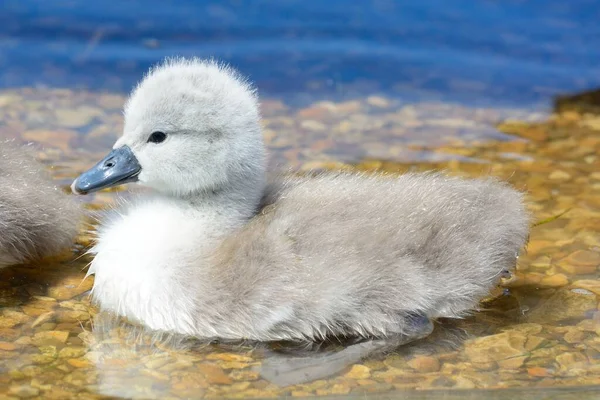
x: 285, y: 369
x: 282, y: 363
x: 116, y: 342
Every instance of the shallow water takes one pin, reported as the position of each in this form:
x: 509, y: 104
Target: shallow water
x: 484, y: 52
x: 537, y: 336
x: 539, y: 330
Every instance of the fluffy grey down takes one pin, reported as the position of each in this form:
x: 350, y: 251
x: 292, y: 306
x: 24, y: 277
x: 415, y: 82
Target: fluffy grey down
x: 346, y: 254
x: 36, y: 218
x: 333, y: 254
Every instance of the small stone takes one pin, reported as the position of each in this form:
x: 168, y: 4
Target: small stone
x: 214, y: 374
x: 50, y: 337
x: 31, y: 371
x: 574, y: 336
x: 348, y: 107
x: 16, y: 375
x: 312, y: 125
x: 538, y: 372
x: 497, y: 347
x: 512, y: 363
x: 79, y: 363
x: 563, y: 304
x: 577, y: 269
x: 313, y: 112
x: 233, y: 365
x: 463, y: 383
x: 570, y: 360
x: 69, y: 287
x: 229, y: 357
x: 559, y: 175
x: 487, y: 366
x: 556, y: 280
x: 244, y: 375
x: 358, y: 371
x: 43, y: 318
x: 72, y: 316
x: 333, y: 390
x: 580, y: 262
x: 543, y: 262
x: 535, y: 246
x: 42, y: 359
x: 24, y: 391
x: 72, y: 352
x: 425, y: 364
x: 588, y: 284
x: 533, y: 342
x: 11, y: 318
x: 7, y: 346
x: 47, y: 326
x: 378, y: 101
x: 74, y: 305
x: 589, y: 325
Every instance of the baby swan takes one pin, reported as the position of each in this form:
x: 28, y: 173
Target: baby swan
x: 36, y: 218
x: 215, y: 251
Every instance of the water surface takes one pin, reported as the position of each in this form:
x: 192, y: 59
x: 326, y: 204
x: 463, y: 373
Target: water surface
x: 369, y: 85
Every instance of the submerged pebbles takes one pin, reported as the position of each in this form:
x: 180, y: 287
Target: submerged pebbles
x: 542, y: 329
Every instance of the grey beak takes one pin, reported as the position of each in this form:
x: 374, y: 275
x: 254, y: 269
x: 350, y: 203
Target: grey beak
x: 118, y: 167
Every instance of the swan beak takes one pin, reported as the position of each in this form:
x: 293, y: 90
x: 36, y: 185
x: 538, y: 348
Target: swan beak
x: 118, y: 167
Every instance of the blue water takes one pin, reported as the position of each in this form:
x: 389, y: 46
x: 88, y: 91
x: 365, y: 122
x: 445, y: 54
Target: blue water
x: 486, y: 52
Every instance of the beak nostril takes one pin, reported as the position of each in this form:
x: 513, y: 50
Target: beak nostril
x: 109, y: 164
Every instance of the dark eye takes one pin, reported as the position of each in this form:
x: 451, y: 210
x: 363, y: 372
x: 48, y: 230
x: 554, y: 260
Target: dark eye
x: 157, y: 137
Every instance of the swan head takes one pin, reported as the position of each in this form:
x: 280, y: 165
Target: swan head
x: 191, y: 126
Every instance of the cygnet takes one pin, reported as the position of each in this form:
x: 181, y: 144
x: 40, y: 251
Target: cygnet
x: 216, y: 251
x: 37, y: 219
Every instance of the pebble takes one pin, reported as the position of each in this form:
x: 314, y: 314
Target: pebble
x: 358, y: 371
x: 229, y: 357
x: 557, y: 165
x: 559, y: 175
x: 583, y: 258
x: 542, y: 262
x: 571, y: 360
x: 312, y: 125
x: 564, y: 304
x: 72, y: 352
x: 69, y: 287
x: 7, y: 346
x: 555, y: 280
x: 49, y: 337
x: 538, y: 372
x: 425, y: 364
x: 513, y: 362
x: 574, y: 336
x: 377, y: 101
x: 24, y: 391
x: 43, y: 318
x: 214, y: 374
x: 336, y: 389
x: 497, y: 347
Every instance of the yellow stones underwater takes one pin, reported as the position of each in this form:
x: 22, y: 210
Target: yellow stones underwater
x: 543, y: 332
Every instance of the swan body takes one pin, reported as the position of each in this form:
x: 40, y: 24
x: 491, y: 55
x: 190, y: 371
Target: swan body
x: 36, y: 218
x: 217, y: 251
